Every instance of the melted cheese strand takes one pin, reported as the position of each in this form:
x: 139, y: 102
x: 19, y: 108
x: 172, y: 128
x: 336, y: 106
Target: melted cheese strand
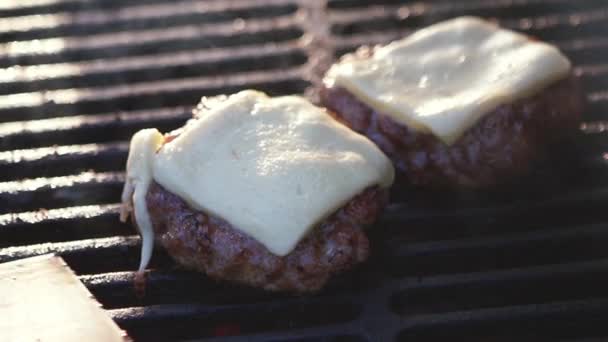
x: 144, y: 145
x: 142, y: 218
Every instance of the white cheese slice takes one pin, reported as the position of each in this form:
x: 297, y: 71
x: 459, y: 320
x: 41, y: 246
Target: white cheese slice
x: 444, y: 78
x: 272, y: 167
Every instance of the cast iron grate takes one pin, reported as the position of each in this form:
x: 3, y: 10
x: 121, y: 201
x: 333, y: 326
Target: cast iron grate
x: 79, y: 77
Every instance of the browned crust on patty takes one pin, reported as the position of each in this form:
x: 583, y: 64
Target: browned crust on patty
x: 211, y: 245
x: 497, y: 148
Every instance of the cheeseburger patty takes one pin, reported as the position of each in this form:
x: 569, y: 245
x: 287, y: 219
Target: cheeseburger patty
x: 211, y: 245
x: 499, y: 146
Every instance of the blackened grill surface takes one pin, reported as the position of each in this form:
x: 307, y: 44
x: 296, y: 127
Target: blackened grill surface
x: 78, y: 77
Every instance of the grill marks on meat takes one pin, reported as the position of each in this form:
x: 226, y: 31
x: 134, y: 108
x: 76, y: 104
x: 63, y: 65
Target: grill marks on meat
x: 499, y: 147
x: 211, y: 245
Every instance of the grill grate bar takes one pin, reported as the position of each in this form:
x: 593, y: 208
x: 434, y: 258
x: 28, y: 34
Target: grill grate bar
x: 152, y: 67
x: 585, y: 44
x: 147, y: 92
x: 32, y: 155
x: 598, y: 96
x: 151, y: 35
x: 412, y: 16
x: 500, y: 241
x: 408, y: 214
x: 61, y: 160
x: 85, y: 188
x: 116, y: 245
x: 499, y: 288
x: 197, y: 319
x: 68, y: 96
x: 116, y: 289
x: 112, y: 19
x: 121, y: 44
x: 373, y: 13
x: 377, y: 18
x: 100, y: 120
x: 187, y: 310
x: 546, y: 320
x: 120, y: 65
x: 450, y: 6
x: 483, y: 217
x: 18, y: 4
x: 61, y: 225
x: 574, y: 270
x: 335, y: 332
x: 549, y: 246
x: 56, y: 214
x: 84, y: 129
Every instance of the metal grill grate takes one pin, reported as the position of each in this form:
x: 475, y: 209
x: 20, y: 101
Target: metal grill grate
x: 79, y: 77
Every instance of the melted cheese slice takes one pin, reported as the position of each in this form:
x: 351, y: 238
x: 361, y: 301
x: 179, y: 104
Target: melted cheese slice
x: 272, y: 167
x: 444, y: 78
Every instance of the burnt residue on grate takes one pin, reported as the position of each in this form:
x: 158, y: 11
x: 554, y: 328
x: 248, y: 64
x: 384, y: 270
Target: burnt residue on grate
x: 78, y: 77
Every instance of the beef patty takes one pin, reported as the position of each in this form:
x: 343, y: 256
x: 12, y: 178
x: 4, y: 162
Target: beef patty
x: 211, y: 245
x: 498, y: 147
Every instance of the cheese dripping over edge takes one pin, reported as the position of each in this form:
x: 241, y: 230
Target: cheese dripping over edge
x: 444, y: 78
x: 272, y: 167
x: 142, y: 149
